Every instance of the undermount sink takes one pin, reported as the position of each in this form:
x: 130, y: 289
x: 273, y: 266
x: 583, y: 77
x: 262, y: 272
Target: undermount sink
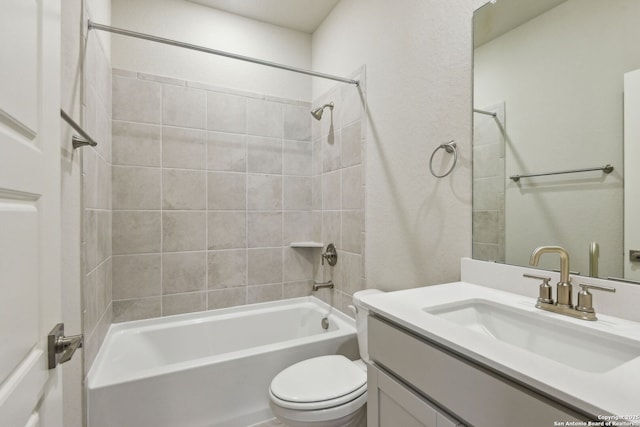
x: 574, y: 345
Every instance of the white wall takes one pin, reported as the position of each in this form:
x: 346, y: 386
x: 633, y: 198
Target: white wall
x: 560, y: 76
x: 192, y: 23
x: 417, y: 56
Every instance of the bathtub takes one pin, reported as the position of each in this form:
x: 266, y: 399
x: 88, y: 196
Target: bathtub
x: 211, y: 368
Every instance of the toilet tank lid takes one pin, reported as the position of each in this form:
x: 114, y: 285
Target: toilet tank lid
x: 357, y: 297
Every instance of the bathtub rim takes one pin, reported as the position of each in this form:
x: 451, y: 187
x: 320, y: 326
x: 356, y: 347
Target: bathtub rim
x: 346, y: 326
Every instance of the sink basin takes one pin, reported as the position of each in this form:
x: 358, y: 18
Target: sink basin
x: 574, y: 345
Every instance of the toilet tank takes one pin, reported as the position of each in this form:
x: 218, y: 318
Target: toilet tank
x: 361, y: 321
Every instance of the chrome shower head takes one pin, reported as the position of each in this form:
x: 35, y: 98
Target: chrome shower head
x: 317, y: 113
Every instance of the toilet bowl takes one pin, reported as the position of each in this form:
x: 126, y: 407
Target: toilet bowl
x: 325, y: 391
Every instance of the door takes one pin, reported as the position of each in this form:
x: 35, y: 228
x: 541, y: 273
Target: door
x: 30, y: 303
x: 631, y: 174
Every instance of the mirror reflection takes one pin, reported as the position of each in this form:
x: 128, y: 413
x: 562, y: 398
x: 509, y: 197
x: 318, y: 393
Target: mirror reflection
x: 549, y: 91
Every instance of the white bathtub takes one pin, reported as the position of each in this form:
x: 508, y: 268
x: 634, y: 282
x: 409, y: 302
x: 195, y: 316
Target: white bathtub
x: 210, y: 368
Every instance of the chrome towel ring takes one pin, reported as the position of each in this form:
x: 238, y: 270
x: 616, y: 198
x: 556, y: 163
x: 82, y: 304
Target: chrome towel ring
x: 449, y: 147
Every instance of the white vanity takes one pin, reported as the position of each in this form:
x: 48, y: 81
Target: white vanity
x: 471, y: 353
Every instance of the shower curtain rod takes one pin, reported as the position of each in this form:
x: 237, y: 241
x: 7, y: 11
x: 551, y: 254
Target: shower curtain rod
x: 94, y: 26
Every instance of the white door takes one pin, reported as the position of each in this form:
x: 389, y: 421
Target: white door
x: 631, y: 173
x: 30, y: 393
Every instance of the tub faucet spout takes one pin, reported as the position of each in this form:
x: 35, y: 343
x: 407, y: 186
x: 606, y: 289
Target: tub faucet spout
x: 564, y: 296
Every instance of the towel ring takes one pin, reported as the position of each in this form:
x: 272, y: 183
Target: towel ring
x: 449, y: 147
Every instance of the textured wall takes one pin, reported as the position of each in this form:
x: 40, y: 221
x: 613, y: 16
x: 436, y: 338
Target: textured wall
x: 210, y: 186
x: 418, y: 62
x: 193, y: 23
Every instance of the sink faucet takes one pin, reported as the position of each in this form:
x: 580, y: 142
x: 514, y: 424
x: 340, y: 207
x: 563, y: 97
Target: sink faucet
x: 563, y: 305
x: 563, y: 287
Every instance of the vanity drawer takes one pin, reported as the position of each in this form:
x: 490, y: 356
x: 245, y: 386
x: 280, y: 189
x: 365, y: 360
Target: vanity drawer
x: 473, y: 394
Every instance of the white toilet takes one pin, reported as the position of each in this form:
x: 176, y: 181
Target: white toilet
x: 326, y: 391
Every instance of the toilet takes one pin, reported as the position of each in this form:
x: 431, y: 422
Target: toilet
x: 326, y: 391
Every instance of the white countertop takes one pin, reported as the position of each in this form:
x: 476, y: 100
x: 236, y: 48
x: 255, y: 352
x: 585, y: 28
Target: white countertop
x: 614, y: 392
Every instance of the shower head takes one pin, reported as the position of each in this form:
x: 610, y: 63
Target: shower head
x: 317, y: 113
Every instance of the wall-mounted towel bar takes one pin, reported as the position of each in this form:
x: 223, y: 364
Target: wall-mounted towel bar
x: 76, y: 140
x: 488, y: 113
x: 605, y: 169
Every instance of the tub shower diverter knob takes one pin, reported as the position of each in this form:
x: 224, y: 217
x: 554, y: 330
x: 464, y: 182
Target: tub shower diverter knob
x: 330, y: 254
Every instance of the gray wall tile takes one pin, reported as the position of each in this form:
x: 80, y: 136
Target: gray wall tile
x: 136, y: 100
x: 227, y: 269
x: 184, y: 189
x: 297, y: 158
x: 226, y: 112
x: 352, y: 188
x: 297, y: 289
x: 226, y: 191
x: 184, y: 148
x: 264, y: 293
x: 264, y: 118
x: 264, y: 155
x: 264, y: 266
x: 184, y: 272
x: 226, y: 152
x: 298, y: 264
x: 183, y: 231
x: 298, y: 227
x: 297, y: 193
x: 351, y: 139
x: 227, y: 230
x: 184, y: 303
x: 136, y: 232
x: 136, y: 276
x: 331, y: 191
x: 222, y: 298
x: 136, y: 309
x: 136, y: 144
x: 264, y: 229
x: 297, y: 122
x: 184, y: 107
x: 136, y: 188
x: 264, y: 192
x: 351, y: 231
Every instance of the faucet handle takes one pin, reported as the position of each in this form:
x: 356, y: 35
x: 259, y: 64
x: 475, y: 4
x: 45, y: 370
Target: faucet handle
x: 585, y: 298
x: 544, y: 295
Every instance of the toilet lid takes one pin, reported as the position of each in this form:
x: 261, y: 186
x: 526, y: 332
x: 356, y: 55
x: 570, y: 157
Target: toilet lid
x: 318, y: 379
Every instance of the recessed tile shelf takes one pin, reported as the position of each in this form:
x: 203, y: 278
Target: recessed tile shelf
x: 309, y: 244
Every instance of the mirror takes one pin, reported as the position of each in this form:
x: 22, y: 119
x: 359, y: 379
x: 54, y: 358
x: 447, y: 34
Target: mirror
x: 548, y: 97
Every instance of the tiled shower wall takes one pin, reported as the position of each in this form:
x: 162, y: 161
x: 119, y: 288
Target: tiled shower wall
x: 339, y: 187
x: 210, y: 186
x: 96, y: 198
x: 488, y: 185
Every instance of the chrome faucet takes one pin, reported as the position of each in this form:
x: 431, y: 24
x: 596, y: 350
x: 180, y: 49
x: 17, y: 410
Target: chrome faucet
x: 563, y: 305
x: 564, y: 288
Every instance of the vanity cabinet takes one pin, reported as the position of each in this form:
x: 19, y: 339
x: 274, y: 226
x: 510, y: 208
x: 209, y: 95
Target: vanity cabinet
x: 415, y: 383
x: 391, y: 404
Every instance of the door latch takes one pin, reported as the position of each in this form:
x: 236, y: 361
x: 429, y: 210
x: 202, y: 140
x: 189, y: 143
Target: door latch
x: 60, y: 348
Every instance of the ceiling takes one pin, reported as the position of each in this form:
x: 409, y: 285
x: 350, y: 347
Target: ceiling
x: 495, y: 19
x: 299, y: 15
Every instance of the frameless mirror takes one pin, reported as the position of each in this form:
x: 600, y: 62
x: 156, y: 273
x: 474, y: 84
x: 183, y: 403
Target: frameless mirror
x: 549, y: 84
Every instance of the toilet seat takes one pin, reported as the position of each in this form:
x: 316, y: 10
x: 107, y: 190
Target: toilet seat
x: 318, y: 383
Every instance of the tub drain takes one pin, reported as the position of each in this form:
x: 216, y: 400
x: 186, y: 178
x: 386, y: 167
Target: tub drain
x: 325, y: 323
